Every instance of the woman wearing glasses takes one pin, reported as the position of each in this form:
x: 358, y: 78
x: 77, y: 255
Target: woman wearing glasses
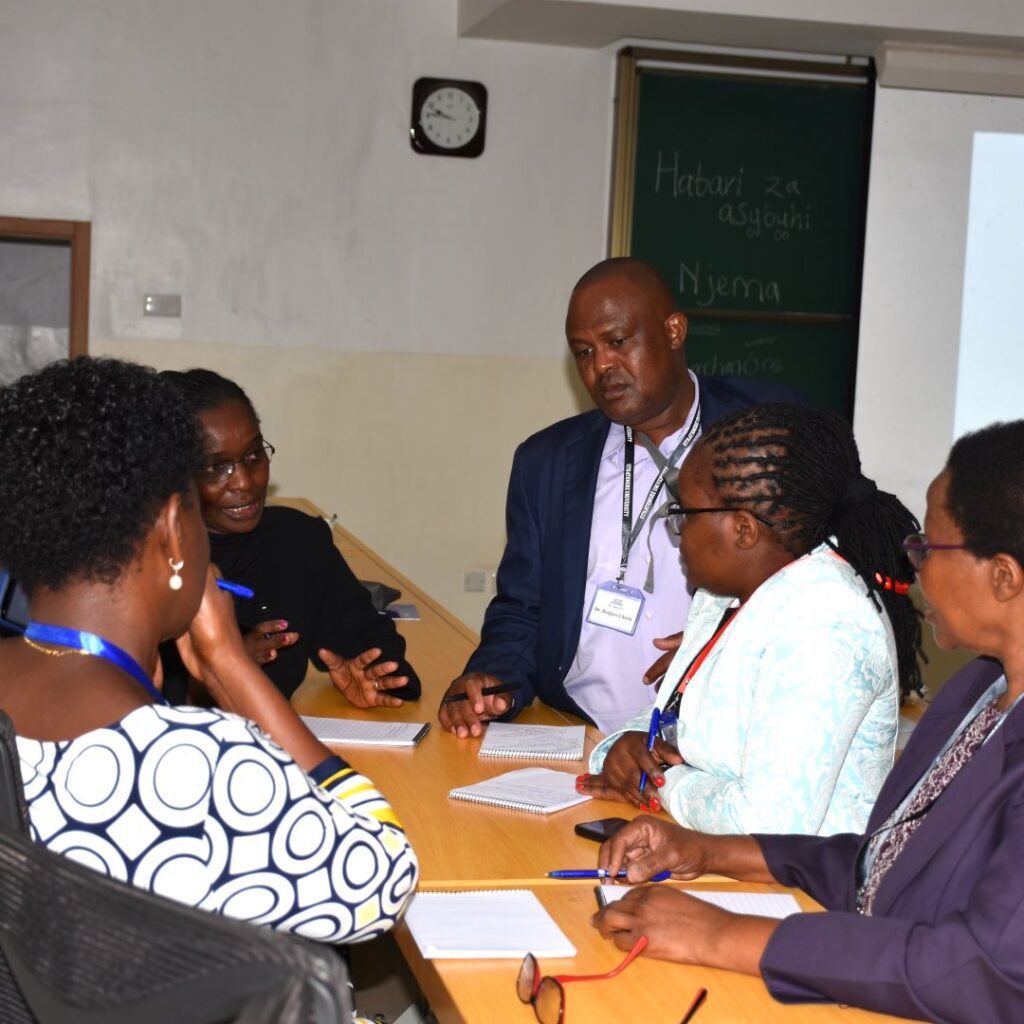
x: 779, y: 710
x: 926, y: 906
x: 308, y: 604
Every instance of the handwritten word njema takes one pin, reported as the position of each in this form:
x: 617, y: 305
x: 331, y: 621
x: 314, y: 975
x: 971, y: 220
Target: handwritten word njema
x: 704, y: 287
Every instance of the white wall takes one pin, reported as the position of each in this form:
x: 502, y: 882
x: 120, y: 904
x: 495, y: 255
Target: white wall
x: 253, y: 156
x: 913, y: 280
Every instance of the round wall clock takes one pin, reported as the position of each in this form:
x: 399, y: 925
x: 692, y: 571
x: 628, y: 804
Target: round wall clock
x: 449, y: 117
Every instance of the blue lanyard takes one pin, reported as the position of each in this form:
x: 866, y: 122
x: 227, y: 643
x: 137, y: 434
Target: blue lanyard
x: 90, y: 643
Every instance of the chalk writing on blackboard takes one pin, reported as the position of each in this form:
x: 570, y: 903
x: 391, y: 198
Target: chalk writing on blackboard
x: 744, y: 364
x: 694, y: 183
x: 781, y: 221
x: 699, y: 283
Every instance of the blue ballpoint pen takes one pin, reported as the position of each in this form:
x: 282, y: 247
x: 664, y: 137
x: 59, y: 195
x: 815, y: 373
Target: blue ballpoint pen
x: 652, y: 735
x: 604, y: 873
x: 234, y: 588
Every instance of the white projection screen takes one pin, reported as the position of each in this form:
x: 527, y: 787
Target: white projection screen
x: 990, y: 372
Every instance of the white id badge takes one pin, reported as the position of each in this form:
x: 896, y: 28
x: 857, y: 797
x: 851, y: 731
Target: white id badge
x: 616, y: 606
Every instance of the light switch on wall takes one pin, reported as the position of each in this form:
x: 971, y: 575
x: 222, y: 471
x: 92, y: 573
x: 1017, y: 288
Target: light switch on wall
x: 162, y: 305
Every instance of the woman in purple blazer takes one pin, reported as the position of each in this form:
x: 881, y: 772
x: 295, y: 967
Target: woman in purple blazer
x: 926, y: 909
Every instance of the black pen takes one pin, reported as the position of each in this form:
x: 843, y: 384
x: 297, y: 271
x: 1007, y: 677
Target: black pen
x: 487, y: 691
x: 695, y: 1006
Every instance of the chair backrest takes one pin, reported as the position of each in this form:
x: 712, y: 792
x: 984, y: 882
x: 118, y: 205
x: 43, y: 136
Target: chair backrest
x: 77, y: 947
x: 13, y: 606
x: 13, y: 813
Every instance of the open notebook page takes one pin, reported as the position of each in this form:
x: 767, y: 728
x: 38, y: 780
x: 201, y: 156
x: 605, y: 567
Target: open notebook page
x: 484, y: 925
x: 762, y: 904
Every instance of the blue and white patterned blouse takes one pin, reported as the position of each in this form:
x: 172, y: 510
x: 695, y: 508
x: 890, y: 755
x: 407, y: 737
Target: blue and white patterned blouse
x: 200, y: 806
x: 789, y: 725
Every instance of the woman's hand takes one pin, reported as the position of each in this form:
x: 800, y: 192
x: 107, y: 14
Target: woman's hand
x: 677, y: 926
x: 265, y: 639
x: 646, y: 846
x: 686, y: 930
x: 361, y: 682
x: 213, y: 641
x: 619, y: 779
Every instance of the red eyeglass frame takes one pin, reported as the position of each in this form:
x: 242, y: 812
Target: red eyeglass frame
x: 561, y: 979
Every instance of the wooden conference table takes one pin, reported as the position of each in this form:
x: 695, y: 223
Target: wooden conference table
x: 466, y: 846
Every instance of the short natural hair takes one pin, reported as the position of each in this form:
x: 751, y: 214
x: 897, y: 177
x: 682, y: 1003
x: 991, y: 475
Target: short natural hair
x: 92, y: 449
x: 986, y: 489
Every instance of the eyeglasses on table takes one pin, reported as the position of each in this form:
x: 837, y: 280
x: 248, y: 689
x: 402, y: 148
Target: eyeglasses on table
x: 546, y: 995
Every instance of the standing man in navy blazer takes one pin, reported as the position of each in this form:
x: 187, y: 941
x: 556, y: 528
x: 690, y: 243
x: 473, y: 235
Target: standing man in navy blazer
x: 590, y: 576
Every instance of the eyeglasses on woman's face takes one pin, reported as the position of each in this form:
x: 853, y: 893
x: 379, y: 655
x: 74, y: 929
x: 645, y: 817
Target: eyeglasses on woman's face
x: 676, y: 515
x: 257, y: 458
x: 546, y: 995
x: 918, y: 548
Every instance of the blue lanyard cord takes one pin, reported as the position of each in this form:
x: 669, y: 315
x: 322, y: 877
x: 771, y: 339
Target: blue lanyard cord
x: 90, y: 643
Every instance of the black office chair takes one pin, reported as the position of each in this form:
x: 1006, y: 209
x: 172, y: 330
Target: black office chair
x: 79, y: 948
x: 13, y: 606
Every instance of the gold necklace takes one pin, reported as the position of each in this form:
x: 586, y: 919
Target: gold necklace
x: 52, y: 653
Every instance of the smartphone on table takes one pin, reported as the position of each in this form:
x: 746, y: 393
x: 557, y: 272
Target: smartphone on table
x: 600, y: 830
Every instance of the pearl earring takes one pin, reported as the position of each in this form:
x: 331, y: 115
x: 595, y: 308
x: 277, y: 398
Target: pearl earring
x: 175, y: 581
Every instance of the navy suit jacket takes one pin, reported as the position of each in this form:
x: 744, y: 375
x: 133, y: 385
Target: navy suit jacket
x: 532, y: 626
x: 946, y: 939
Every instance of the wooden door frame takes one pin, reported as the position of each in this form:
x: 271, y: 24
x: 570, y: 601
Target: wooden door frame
x: 78, y: 233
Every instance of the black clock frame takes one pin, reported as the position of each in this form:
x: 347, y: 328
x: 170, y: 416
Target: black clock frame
x: 422, y: 88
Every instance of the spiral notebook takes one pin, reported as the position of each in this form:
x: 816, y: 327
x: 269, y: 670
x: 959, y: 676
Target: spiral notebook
x: 543, y: 742
x: 536, y: 790
x: 358, y: 733
x: 500, y: 924
x: 761, y: 904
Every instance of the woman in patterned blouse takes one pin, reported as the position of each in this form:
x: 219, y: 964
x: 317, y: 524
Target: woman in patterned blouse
x: 237, y: 809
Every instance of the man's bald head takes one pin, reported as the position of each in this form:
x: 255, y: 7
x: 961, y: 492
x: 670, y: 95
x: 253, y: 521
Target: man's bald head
x: 640, y: 277
x: 626, y: 337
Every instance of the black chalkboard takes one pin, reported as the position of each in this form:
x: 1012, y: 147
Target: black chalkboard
x: 749, y: 194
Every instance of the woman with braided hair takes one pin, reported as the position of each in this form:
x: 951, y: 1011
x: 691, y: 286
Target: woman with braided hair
x: 779, y: 711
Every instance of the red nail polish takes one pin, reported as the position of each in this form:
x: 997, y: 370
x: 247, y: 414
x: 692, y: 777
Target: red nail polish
x: 282, y: 624
x: 655, y: 805
x: 659, y: 781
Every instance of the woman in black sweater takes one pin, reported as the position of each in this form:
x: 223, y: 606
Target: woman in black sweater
x: 308, y: 605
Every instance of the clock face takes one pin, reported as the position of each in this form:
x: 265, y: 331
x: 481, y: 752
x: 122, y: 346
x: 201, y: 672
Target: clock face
x: 449, y: 117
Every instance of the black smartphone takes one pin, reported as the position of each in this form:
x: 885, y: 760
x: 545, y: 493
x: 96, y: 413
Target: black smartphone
x: 600, y: 830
